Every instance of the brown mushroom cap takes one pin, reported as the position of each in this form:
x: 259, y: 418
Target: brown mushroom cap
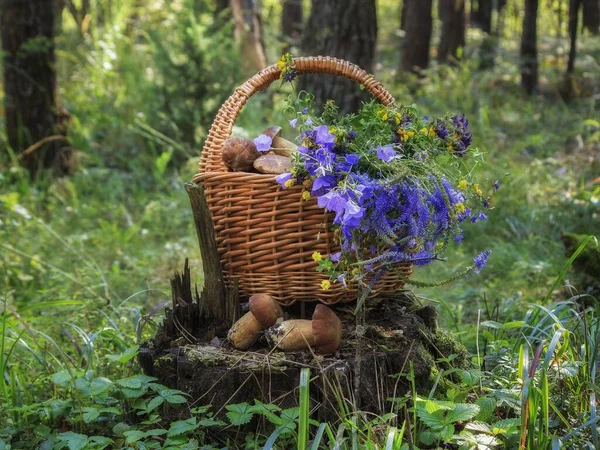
x: 327, y: 330
x: 273, y: 131
x: 265, y: 309
x: 239, y: 154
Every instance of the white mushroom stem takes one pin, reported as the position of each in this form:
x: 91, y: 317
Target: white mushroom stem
x: 245, y: 332
x: 264, y: 313
x: 291, y: 335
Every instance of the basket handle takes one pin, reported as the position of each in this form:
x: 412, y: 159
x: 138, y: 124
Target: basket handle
x: 222, y: 126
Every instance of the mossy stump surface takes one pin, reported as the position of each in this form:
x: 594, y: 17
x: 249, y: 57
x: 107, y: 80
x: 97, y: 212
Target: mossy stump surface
x: 370, y: 367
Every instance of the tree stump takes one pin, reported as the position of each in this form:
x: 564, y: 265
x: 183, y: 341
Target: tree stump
x: 399, y: 340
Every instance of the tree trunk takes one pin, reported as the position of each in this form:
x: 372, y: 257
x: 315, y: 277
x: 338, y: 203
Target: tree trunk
x: 474, y: 14
x: 403, y: 15
x: 529, y: 62
x: 30, y: 83
x: 591, y: 16
x: 415, y: 48
x: 345, y: 29
x: 574, y: 6
x: 291, y: 24
x: 489, y: 45
x: 248, y: 34
x: 452, y: 14
x: 484, y: 16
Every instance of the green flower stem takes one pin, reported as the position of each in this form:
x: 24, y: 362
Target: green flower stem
x: 418, y: 283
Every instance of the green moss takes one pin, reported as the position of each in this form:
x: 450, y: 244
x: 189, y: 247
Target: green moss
x: 443, y: 345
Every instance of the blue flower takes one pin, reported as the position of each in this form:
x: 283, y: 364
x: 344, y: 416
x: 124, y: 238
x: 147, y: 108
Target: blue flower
x: 353, y: 215
x: 294, y: 122
x: 352, y: 158
x: 308, y: 120
x: 349, y: 161
x: 333, y: 201
x: 496, y: 185
x: 460, y: 121
x: 386, y: 153
x: 480, y: 261
x: 441, y: 130
x: 304, y: 110
x: 289, y: 75
x: 263, y: 143
x: 423, y: 257
x: 322, y: 183
x: 281, y: 179
x: 324, y: 159
x: 462, y: 133
x: 480, y: 216
x: 335, y: 257
x: 324, y: 137
x: 462, y: 216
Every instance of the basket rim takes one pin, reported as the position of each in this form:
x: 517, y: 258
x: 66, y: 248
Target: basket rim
x: 241, y: 176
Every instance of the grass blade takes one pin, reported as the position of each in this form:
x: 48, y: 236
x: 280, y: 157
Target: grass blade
x: 318, y: 436
x: 391, y: 437
x: 566, y: 267
x: 304, y: 418
x: 273, y: 437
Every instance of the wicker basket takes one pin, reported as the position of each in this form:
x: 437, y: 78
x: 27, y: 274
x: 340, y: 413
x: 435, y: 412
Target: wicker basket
x: 266, y: 235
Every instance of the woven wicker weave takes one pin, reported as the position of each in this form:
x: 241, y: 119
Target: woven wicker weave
x: 266, y: 235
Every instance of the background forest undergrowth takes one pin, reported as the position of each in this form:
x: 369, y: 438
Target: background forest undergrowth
x: 85, y: 260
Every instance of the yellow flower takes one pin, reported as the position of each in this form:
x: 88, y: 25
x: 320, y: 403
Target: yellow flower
x: 404, y: 135
x: 325, y: 284
x: 290, y: 183
x: 332, y: 129
x: 281, y: 64
x: 424, y: 130
x: 462, y: 184
x: 477, y: 190
x: 460, y: 208
x: 398, y: 118
x: 355, y: 271
x: 307, y: 183
x: 316, y: 256
x: 383, y: 113
x: 305, y: 195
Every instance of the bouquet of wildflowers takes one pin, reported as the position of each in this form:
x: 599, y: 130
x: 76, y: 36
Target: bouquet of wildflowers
x: 395, y: 182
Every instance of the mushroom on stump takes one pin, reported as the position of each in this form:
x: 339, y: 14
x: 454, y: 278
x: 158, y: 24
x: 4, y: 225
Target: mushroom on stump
x: 323, y: 332
x: 264, y: 313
